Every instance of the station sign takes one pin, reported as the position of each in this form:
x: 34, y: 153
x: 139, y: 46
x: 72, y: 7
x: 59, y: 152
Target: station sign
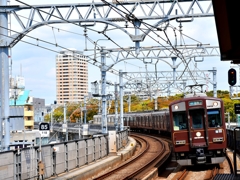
x: 44, y: 126
x: 44, y: 129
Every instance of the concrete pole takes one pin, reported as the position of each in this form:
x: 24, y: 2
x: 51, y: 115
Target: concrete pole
x: 174, y: 68
x: 65, y: 121
x: 168, y: 90
x: 85, y: 110
x: 121, y: 98
x: 214, y: 82
x: 104, y: 98
x: 99, y: 106
x: 184, y: 87
x: 155, y: 103
x: 51, y: 129
x: 4, y: 80
x: 137, y: 24
x: 116, y: 107
x: 129, y: 102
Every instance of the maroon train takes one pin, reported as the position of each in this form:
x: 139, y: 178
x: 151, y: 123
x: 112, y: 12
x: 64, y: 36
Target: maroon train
x: 196, y: 124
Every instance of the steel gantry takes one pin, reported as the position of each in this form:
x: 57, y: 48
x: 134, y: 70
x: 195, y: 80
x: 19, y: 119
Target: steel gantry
x: 163, y: 80
x: 155, y: 53
x: 84, y: 15
x: 111, y: 13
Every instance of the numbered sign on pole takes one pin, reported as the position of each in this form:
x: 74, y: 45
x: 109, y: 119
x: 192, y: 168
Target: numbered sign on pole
x: 44, y: 129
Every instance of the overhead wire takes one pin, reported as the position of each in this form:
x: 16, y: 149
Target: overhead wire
x: 79, y: 26
x: 52, y: 49
x: 177, y: 52
x: 181, y: 34
x: 183, y: 59
x: 168, y: 41
x: 103, y: 34
x: 59, y: 29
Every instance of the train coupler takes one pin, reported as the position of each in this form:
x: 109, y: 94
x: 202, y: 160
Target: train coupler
x: 201, y: 160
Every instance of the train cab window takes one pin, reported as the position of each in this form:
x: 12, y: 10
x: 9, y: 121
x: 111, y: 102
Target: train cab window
x: 197, y: 118
x: 179, y: 121
x: 214, y: 118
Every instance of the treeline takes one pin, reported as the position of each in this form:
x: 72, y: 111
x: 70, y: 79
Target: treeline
x: 75, y: 111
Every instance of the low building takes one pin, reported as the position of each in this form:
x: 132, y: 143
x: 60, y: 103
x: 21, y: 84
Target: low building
x: 21, y: 112
x: 39, y: 108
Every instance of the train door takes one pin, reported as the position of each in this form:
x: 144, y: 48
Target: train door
x: 196, y: 129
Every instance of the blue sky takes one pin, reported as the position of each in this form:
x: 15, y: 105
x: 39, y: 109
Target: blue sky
x: 38, y: 65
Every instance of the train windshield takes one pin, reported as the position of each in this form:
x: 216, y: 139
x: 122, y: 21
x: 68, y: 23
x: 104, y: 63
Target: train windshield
x: 179, y: 121
x: 214, y: 118
x: 197, y: 118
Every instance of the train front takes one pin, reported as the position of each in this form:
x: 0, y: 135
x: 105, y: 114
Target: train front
x: 198, y: 130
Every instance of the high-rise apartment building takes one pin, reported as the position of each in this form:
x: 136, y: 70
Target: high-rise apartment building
x: 71, y: 76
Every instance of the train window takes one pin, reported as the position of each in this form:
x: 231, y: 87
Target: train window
x: 179, y: 120
x: 197, y: 118
x: 214, y: 118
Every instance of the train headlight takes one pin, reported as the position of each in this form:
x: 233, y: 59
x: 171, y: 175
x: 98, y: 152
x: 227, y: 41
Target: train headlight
x: 218, y: 131
x: 182, y: 154
x: 215, y: 103
x: 218, y: 152
x: 176, y: 107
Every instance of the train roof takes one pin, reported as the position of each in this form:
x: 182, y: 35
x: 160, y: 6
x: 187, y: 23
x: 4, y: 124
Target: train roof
x: 197, y: 96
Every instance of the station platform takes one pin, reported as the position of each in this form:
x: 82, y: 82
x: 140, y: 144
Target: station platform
x: 94, y: 169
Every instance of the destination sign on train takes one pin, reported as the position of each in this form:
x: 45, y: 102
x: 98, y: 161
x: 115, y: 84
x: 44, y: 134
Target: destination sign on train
x: 195, y: 103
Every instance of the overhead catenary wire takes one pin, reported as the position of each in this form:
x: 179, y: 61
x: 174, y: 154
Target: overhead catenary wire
x: 168, y: 42
x: 79, y: 26
x: 114, y: 7
x: 146, y: 24
x: 59, y: 29
x: 91, y: 29
x: 107, y: 36
x: 112, y: 70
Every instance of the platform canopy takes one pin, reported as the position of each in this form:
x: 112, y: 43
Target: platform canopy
x: 227, y: 19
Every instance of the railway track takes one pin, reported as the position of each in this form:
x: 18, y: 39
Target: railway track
x: 153, y: 152
x: 203, y: 175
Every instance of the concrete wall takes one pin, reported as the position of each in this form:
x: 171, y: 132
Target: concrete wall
x: 57, y: 158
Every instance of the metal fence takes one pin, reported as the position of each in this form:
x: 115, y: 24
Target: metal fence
x: 56, y: 158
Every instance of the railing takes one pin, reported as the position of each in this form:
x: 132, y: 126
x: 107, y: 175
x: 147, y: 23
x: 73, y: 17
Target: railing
x: 56, y: 158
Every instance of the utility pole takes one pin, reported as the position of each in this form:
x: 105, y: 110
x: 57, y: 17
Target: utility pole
x: 121, y: 98
x: 116, y: 107
x: 85, y: 110
x: 4, y: 80
x: 104, y: 98
x: 129, y: 102
x: 65, y: 121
